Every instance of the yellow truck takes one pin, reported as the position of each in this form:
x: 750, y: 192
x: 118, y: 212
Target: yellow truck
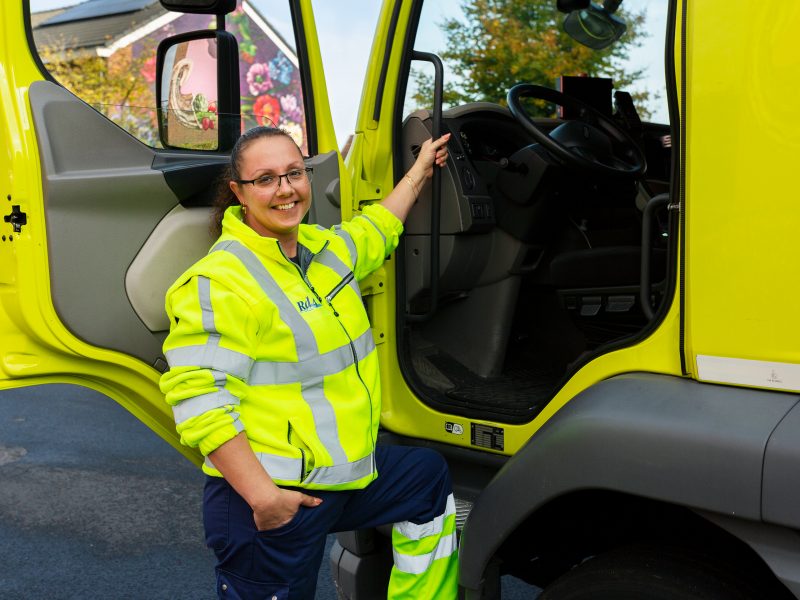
x: 590, y: 316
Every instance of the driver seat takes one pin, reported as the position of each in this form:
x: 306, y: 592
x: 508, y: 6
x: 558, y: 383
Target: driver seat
x: 604, y: 267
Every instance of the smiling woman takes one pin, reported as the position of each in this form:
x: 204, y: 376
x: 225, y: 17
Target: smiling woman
x: 299, y: 366
x: 270, y: 207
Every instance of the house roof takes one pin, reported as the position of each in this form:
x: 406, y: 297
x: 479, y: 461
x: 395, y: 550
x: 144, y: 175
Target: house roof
x: 39, y: 17
x: 92, y: 32
x: 103, y: 26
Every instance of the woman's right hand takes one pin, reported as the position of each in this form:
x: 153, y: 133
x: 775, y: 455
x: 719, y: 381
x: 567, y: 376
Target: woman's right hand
x: 280, y: 508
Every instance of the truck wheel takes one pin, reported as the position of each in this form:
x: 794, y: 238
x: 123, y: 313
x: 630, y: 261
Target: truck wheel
x: 648, y: 574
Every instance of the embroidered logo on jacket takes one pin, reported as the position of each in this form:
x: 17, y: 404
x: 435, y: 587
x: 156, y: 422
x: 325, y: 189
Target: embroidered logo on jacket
x: 308, y: 304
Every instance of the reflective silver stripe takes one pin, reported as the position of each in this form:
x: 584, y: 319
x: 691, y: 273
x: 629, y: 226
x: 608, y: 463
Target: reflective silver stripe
x: 291, y: 469
x: 348, y: 240
x: 204, y: 292
x: 279, y: 373
x: 417, y: 565
x: 211, y: 356
x: 305, y: 342
x: 333, y: 262
x: 220, y: 378
x: 364, y: 344
x: 344, y: 473
x: 277, y: 467
x: 329, y: 363
x: 376, y: 227
x: 281, y: 467
x: 207, y: 312
x: 197, y: 405
x: 412, y: 531
x: 237, y: 424
x: 313, y: 391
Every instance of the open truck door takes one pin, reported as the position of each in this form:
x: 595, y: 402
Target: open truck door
x: 107, y: 199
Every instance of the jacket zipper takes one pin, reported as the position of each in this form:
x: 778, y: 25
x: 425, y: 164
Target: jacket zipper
x: 358, y: 373
x: 328, y: 298
x: 339, y: 287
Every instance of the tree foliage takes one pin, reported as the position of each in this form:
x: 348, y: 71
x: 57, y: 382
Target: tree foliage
x: 120, y: 86
x: 500, y: 43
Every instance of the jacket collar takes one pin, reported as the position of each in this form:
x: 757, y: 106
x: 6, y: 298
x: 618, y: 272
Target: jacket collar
x: 309, y: 236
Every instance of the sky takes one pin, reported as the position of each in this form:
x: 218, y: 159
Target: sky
x: 346, y: 27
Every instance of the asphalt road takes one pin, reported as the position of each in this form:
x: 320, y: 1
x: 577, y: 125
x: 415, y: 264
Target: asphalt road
x: 95, y: 505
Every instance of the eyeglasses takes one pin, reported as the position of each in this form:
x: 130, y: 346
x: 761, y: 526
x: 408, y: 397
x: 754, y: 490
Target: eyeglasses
x: 273, y: 182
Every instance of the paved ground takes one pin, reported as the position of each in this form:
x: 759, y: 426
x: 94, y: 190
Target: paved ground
x: 95, y: 505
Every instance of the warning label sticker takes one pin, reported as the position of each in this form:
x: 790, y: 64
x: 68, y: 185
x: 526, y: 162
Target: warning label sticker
x: 488, y: 437
x: 454, y: 428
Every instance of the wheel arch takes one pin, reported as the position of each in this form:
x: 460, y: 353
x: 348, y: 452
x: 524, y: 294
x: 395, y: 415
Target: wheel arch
x: 659, y: 439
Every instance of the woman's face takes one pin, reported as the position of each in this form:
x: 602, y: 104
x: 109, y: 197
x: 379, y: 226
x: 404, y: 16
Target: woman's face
x: 274, y: 211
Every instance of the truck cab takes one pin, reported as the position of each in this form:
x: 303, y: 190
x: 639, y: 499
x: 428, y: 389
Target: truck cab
x: 589, y: 314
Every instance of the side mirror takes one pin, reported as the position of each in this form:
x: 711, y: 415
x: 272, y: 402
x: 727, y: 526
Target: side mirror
x: 595, y: 26
x: 197, y: 91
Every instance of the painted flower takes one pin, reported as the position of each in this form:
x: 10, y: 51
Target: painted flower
x: 291, y: 108
x: 258, y: 79
x: 294, y: 130
x: 148, y: 70
x: 267, y: 109
x: 280, y: 69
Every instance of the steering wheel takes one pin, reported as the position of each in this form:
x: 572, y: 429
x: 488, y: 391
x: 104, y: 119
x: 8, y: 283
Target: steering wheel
x: 592, y: 142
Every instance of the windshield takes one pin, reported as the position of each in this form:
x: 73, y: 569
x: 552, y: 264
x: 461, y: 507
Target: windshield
x: 489, y: 47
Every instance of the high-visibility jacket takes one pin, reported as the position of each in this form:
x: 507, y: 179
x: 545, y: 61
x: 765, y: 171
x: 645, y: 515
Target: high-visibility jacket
x: 282, y: 351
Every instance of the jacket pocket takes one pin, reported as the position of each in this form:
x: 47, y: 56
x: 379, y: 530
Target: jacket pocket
x: 234, y: 587
x: 296, y: 441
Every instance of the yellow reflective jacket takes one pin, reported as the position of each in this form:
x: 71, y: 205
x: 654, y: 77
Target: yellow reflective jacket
x: 281, y: 351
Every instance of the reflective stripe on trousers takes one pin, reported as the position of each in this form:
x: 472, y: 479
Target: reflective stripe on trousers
x: 425, y: 556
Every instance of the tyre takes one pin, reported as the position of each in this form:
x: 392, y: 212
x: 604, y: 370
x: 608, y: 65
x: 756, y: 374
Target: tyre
x: 648, y: 574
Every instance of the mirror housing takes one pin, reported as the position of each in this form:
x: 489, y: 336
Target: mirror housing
x: 202, y: 7
x: 594, y: 26
x: 193, y: 111
x: 567, y: 6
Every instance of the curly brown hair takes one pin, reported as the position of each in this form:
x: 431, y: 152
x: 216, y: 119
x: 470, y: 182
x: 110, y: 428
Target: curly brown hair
x: 224, y: 197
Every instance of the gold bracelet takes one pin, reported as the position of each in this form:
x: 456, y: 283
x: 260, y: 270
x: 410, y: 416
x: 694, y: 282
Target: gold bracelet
x: 413, y: 187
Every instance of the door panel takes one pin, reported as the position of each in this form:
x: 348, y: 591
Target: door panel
x: 117, y: 235
x: 102, y: 200
x: 325, y: 190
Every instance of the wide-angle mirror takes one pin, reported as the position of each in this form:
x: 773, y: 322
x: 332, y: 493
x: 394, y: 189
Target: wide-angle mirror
x: 194, y: 97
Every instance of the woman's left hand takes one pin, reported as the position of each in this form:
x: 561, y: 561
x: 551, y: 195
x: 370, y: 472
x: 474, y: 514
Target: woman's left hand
x: 432, y: 152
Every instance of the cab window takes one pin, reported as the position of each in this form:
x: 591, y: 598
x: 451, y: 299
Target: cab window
x: 105, y: 53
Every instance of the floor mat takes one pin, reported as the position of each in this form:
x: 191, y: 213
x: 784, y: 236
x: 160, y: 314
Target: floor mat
x: 525, y: 385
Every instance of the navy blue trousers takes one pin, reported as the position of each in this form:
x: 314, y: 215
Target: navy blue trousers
x: 283, y: 563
